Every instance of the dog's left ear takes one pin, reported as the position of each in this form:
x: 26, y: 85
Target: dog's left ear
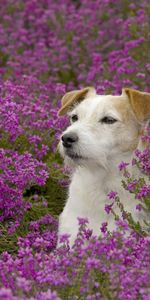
x: 71, y: 98
x: 140, y: 103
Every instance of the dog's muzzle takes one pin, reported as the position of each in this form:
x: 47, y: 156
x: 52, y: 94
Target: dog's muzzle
x: 69, y: 139
x: 69, y: 142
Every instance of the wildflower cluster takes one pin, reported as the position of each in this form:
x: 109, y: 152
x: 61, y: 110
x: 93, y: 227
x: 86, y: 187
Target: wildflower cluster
x: 48, y: 47
x: 18, y: 172
x: 111, y: 267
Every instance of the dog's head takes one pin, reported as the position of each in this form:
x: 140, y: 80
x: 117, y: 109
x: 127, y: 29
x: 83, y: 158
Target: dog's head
x: 102, y: 127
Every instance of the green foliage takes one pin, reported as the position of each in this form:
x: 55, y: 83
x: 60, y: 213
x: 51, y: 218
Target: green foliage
x: 53, y: 193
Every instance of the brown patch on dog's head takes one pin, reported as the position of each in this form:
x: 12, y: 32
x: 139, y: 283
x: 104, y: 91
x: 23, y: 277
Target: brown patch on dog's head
x: 129, y: 122
x: 124, y: 109
x: 70, y: 98
x: 140, y: 103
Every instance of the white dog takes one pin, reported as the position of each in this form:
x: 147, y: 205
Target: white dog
x: 104, y: 131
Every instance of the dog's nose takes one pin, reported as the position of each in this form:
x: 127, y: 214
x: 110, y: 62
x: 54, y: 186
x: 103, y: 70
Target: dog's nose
x: 69, y: 139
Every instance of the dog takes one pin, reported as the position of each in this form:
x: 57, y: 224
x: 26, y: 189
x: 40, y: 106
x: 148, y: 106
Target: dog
x: 104, y: 131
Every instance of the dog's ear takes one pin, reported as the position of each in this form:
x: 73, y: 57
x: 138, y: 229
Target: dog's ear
x: 71, y: 98
x: 140, y: 103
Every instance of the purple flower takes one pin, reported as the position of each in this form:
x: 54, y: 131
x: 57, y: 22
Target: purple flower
x: 108, y: 207
x: 144, y: 192
x: 123, y: 165
x: 104, y: 227
x: 139, y: 207
x: 82, y: 221
x: 132, y: 185
x: 6, y: 293
x: 122, y: 224
x: 64, y: 238
x: 49, y: 295
x: 112, y: 195
x: 92, y: 263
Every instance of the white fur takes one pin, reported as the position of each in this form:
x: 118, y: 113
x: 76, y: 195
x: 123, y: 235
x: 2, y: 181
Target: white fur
x: 102, y: 147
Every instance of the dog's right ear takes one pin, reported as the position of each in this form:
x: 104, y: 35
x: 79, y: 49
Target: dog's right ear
x: 71, y: 98
x: 140, y: 103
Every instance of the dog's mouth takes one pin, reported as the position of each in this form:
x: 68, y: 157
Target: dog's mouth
x: 74, y: 156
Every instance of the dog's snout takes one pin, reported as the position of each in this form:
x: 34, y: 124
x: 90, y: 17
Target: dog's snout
x: 69, y: 139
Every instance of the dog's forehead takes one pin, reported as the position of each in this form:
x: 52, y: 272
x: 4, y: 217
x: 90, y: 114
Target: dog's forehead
x: 101, y: 104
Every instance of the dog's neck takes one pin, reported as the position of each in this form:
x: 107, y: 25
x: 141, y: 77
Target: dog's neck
x: 106, y: 179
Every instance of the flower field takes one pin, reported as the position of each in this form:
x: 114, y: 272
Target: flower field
x: 48, y: 47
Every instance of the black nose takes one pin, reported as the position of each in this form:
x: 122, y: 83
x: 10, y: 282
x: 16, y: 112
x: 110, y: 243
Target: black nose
x: 69, y: 139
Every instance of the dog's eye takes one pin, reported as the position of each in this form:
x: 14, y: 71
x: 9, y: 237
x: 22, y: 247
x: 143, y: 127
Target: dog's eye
x: 108, y: 120
x: 74, y: 118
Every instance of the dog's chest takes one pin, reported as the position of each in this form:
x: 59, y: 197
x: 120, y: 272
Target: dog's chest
x: 87, y: 199
x: 88, y: 192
